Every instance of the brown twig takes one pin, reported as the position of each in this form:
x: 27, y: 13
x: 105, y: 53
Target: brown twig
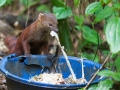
x: 97, y: 71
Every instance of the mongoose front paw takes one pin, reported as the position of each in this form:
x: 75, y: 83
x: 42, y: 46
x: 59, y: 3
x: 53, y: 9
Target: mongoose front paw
x: 28, y: 55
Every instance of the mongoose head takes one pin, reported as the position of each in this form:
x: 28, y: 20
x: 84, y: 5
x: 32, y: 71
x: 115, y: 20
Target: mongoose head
x: 48, y: 21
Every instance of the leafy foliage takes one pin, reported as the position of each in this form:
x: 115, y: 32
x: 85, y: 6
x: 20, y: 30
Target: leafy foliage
x: 92, y: 8
x: 26, y: 2
x: 91, y: 56
x: 79, y: 19
x: 76, y: 3
x: 106, y: 73
x: 100, y: 11
x: 113, y: 34
x: 42, y: 8
x: 117, y: 64
x: 105, y: 1
x: 62, y: 12
x: 109, y: 73
x: 2, y: 2
x: 117, y: 5
x: 111, y: 16
x: 103, y: 85
x: 104, y: 13
x: 90, y: 35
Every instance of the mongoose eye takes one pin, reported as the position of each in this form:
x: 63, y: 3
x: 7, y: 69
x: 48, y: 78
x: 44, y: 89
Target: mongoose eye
x: 50, y: 24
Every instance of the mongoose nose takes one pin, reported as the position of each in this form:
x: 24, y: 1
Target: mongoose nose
x: 56, y: 30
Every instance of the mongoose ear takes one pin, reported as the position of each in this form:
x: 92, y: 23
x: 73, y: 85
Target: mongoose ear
x: 40, y: 16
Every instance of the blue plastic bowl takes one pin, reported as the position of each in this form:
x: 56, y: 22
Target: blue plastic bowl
x: 18, y: 74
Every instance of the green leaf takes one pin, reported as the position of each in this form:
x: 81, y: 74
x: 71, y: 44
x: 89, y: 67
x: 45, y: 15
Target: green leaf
x: 2, y: 2
x: 90, y: 56
x: 76, y: 3
x: 106, y: 73
x: 92, y: 88
x: 90, y: 35
x: 117, y: 63
x: 58, y: 3
x: 104, y: 13
x: 112, y: 33
x: 64, y: 35
x: 117, y: 5
x: 78, y: 27
x: 105, y: 1
x: 103, y: 85
x: 109, y: 73
x: 93, y: 7
x: 79, y: 19
x: 62, y: 12
x: 43, y: 7
x: 116, y: 76
x: 25, y: 2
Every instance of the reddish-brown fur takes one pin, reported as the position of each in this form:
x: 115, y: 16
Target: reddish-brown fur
x: 35, y: 38
x: 10, y: 42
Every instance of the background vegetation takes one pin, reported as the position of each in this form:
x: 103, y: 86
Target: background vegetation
x: 87, y: 28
